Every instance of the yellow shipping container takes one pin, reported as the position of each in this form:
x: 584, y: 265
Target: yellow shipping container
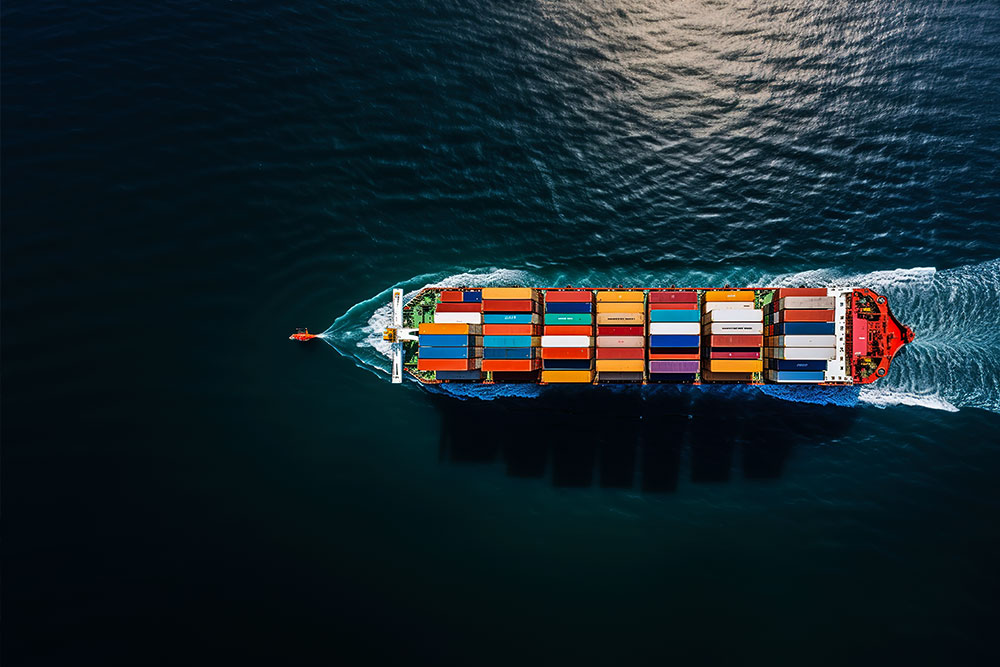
x: 736, y: 365
x: 726, y: 295
x: 631, y: 297
x: 567, y: 376
x: 620, y: 307
x: 621, y: 318
x: 509, y: 293
x: 621, y: 365
x: 449, y: 329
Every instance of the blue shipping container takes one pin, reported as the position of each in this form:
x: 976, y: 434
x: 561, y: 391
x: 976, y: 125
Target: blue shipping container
x: 508, y: 352
x: 444, y: 352
x: 674, y: 316
x: 568, y: 308
x: 799, y: 376
x: 506, y: 341
x: 804, y: 329
x: 566, y: 364
x: 798, y: 365
x: 674, y: 341
x: 458, y: 375
x: 508, y: 318
x: 472, y: 297
x: 445, y: 340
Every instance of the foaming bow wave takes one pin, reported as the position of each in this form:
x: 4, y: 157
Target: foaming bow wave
x: 953, y: 363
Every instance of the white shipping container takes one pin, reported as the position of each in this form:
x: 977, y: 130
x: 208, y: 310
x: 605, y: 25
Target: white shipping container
x: 731, y: 305
x: 734, y: 328
x: 567, y: 341
x: 458, y: 318
x: 807, y: 341
x: 735, y: 315
x: 673, y: 328
x: 810, y: 302
x: 815, y: 353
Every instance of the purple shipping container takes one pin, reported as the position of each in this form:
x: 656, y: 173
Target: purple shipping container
x: 673, y: 366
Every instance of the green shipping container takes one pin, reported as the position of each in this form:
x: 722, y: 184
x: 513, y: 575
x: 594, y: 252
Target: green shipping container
x: 569, y: 318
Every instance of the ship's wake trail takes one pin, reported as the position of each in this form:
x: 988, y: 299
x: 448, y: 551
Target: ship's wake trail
x: 953, y: 363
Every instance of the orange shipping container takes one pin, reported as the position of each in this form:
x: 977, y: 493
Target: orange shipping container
x: 567, y: 376
x: 630, y: 296
x: 506, y: 365
x: 449, y: 329
x: 623, y: 307
x: 736, y: 365
x: 729, y: 295
x: 447, y: 364
x: 567, y: 352
x: 568, y: 330
x: 621, y: 365
x: 508, y: 293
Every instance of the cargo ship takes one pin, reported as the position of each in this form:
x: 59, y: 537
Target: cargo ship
x: 818, y: 336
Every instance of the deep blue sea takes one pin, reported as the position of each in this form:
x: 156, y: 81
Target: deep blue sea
x: 184, y: 183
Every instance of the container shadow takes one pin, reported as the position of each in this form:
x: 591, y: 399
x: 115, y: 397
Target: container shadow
x: 636, y: 438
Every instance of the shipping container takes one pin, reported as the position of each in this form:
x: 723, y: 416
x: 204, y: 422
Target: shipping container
x: 459, y: 375
x: 579, y: 296
x: 621, y: 331
x: 799, y: 291
x: 472, y: 296
x: 621, y: 318
x: 450, y: 352
x: 620, y: 307
x: 568, y: 307
x: 804, y: 316
x: 567, y: 352
x: 672, y: 306
x: 673, y: 297
x: 730, y: 305
x: 734, y: 328
x: 675, y: 328
x: 808, y: 303
x: 796, y: 376
x: 709, y: 376
x: 511, y: 365
x: 674, y: 341
x: 672, y: 377
x: 567, y: 364
x: 673, y: 366
x: 735, y: 365
x: 449, y: 329
x: 611, y: 376
x: 620, y: 365
x: 822, y: 353
x: 507, y: 293
x: 446, y: 340
x: 805, y: 341
x: 447, y: 364
x: 796, y: 365
x: 511, y: 330
x: 653, y: 356
x: 509, y: 353
x: 621, y: 353
x: 674, y: 316
x: 568, y: 330
x: 734, y: 341
x: 511, y: 318
x: 458, y: 318
x: 567, y: 341
x: 734, y: 315
x: 620, y: 341
x: 734, y: 353
x: 451, y: 295
x: 509, y: 306
x: 448, y: 307
x: 804, y: 329
x: 628, y: 296
x: 568, y: 318
x: 510, y: 341
x: 729, y: 295
x: 567, y: 376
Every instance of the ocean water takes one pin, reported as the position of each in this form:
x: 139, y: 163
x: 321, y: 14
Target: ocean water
x: 184, y: 184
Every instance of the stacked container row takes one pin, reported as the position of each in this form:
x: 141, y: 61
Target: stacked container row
x: 734, y: 330
x: 674, y: 336
x: 621, y: 336
x: 451, y: 346
x: 511, y: 329
x: 800, y: 335
x: 568, y: 336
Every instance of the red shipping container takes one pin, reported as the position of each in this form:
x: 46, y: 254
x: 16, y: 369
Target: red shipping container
x: 735, y: 341
x: 510, y: 329
x: 799, y: 291
x: 577, y: 296
x: 619, y: 331
x: 509, y: 306
x: 621, y: 353
x: 452, y: 295
x: 511, y: 364
x: 673, y: 297
x: 664, y: 357
x: 673, y: 306
x: 789, y: 315
x: 448, y: 307
x: 721, y: 354
x: 444, y: 364
x: 567, y: 352
x: 569, y: 330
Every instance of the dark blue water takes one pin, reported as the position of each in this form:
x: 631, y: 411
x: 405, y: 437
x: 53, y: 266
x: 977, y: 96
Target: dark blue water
x: 184, y: 183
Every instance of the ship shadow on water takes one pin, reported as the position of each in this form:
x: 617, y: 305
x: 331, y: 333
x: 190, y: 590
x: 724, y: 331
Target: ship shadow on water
x: 627, y: 438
